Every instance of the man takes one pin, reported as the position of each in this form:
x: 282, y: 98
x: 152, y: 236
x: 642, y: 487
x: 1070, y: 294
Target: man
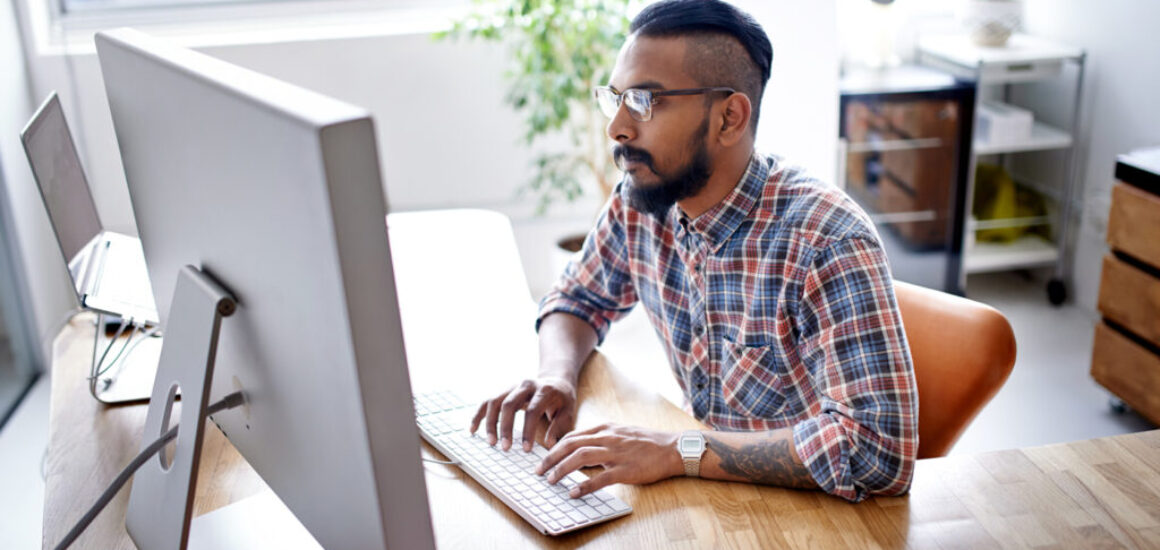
x: 770, y: 289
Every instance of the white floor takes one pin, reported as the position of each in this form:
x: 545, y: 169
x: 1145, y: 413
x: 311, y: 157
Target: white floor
x: 1049, y: 398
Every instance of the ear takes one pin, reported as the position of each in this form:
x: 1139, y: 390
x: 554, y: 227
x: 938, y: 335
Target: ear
x: 734, y: 119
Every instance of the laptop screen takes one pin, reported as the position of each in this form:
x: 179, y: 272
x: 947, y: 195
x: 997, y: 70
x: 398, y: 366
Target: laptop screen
x: 58, y: 173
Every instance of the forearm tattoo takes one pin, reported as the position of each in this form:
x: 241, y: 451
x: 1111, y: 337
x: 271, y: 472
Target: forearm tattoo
x: 766, y: 462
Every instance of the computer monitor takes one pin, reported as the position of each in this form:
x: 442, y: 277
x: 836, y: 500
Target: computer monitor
x: 275, y: 192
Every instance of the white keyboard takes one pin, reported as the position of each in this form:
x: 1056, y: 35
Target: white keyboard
x: 444, y: 420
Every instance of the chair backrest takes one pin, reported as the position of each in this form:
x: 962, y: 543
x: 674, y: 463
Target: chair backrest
x: 963, y: 352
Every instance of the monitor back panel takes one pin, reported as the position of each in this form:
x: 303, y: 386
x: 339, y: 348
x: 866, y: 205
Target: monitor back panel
x: 275, y: 192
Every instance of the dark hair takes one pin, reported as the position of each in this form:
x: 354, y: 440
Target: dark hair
x: 714, y: 26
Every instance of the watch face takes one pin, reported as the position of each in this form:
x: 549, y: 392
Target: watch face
x: 690, y: 445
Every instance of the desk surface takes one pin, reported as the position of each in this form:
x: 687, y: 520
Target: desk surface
x: 1088, y: 493
x: 1102, y: 491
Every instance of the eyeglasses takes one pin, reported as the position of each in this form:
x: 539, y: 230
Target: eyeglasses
x: 640, y: 102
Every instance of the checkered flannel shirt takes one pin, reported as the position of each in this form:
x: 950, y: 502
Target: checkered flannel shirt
x: 776, y: 308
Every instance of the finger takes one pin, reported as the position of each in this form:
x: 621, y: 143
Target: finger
x: 535, y: 415
x: 565, y: 447
x: 478, y: 416
x: 584, y: 456
x: 559, y: 427
x: 515, y: 400
x: 492, y: 420
x: 593, y: 430
x: 596, y: 482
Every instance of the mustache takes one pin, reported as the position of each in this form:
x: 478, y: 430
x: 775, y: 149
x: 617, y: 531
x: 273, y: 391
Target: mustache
x: 624, y: 153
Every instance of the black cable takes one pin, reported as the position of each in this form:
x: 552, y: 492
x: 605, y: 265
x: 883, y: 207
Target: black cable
x: 228, y: 402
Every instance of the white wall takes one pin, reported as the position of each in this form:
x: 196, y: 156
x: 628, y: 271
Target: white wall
x: 1119, y: 108
x: 49, y: 295
x: 799, y: 113
x: 445, y: 136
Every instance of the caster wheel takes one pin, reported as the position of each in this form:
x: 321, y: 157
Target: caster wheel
x: 1117, y: 405
x: 1056, y: 292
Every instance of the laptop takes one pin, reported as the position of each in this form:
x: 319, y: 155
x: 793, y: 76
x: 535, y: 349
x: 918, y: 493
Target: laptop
x: 107, y: 268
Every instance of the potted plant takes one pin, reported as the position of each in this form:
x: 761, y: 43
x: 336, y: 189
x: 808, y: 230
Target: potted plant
x: 560, y: 50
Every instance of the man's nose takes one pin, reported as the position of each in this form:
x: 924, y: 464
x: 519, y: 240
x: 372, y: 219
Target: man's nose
x: 622, y: 127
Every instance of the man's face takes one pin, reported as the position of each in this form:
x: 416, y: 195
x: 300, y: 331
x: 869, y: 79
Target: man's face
x: 667, y: 158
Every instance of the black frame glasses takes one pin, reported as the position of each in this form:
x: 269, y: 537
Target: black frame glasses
x: 640, y: 102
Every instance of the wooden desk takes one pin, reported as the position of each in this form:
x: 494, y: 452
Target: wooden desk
x: 1087, y: 493
x: 1103, y: 492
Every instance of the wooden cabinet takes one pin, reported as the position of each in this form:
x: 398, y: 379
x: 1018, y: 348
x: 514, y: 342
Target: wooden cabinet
x: 1126, y: 354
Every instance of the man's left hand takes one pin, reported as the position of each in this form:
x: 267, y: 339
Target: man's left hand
x: 628, y: 455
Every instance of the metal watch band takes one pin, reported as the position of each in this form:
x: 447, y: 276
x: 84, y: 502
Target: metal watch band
x: 693, y: 467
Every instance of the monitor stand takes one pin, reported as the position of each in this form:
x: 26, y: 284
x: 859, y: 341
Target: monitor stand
x: 260, y: 522
x: 161, y: 501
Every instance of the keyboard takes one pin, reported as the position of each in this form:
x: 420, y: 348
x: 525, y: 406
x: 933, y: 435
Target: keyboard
x: 444, y: 419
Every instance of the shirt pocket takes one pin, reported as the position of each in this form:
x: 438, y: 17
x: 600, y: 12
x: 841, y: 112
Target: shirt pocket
x: 751, y: 381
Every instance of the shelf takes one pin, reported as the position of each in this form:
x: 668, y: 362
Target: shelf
x: 1022, y: 59
x: 1025, y: 252
x: 1043, y: 137
x: 1003, y: 223
x: 894, y: 145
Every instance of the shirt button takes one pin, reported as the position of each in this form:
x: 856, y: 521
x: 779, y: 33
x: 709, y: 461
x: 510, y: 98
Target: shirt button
x: 700, y: 386
x: 698, y: 329
x: 697, y: 268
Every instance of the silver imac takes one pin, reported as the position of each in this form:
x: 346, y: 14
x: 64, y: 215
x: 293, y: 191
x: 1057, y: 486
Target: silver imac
x: 275, y: 192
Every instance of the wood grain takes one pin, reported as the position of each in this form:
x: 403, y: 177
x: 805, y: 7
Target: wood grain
x: 1134, y: 223
x: 1128, y: 370
x: 1097, y: 493
x: 1131, y: 298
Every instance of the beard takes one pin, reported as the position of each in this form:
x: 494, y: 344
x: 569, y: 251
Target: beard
x: 656, y: 200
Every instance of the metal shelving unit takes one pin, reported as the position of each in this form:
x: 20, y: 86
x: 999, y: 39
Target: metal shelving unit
x: 1024, y: 59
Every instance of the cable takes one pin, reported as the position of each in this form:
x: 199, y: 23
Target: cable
x: 228, y: 402
x: 98, y: 366
x: 101, y: 367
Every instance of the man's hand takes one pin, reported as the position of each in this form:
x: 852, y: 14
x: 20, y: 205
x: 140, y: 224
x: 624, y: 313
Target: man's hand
x: 548, y: 403
x: 628, y: 455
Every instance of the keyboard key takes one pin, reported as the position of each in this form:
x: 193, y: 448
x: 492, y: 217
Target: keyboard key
x: 577, y: 517
x: 588, y: 512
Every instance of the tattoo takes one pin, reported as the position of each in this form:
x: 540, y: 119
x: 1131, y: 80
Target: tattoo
x: 766, y: 462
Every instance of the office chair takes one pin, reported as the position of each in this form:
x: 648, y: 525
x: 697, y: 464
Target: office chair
x: 963, y: 352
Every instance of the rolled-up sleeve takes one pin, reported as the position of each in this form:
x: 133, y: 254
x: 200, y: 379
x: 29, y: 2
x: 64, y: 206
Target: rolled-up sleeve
x: 596, y: 286
x: 852, y: 342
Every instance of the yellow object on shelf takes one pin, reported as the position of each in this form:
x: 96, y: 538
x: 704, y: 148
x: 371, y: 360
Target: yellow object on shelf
x: 998, y: 197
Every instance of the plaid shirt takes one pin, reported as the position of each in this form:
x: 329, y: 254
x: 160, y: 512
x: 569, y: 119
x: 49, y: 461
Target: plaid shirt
x: 776, y: 308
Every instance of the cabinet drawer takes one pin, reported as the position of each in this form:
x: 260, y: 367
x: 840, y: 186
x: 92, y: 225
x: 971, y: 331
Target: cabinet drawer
x: 1134, y: 223
x: 1128, y: 370
x: 1131, y: 298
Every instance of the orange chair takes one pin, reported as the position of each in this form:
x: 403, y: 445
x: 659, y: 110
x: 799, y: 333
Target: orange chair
x: 963, y: 351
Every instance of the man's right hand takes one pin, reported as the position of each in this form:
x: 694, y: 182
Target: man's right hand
x: 549, y: 404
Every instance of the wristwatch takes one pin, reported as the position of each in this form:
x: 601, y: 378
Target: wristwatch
x: 692, y: 446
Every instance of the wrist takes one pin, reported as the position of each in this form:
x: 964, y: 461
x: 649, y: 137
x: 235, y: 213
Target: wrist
x: 564, y: 372
x: 675, y: 464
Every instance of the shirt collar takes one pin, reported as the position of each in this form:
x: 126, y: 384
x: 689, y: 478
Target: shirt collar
x: 718, y: 223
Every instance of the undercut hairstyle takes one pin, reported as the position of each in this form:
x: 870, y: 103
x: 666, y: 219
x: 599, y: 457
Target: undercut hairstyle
x: 726, y: 46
